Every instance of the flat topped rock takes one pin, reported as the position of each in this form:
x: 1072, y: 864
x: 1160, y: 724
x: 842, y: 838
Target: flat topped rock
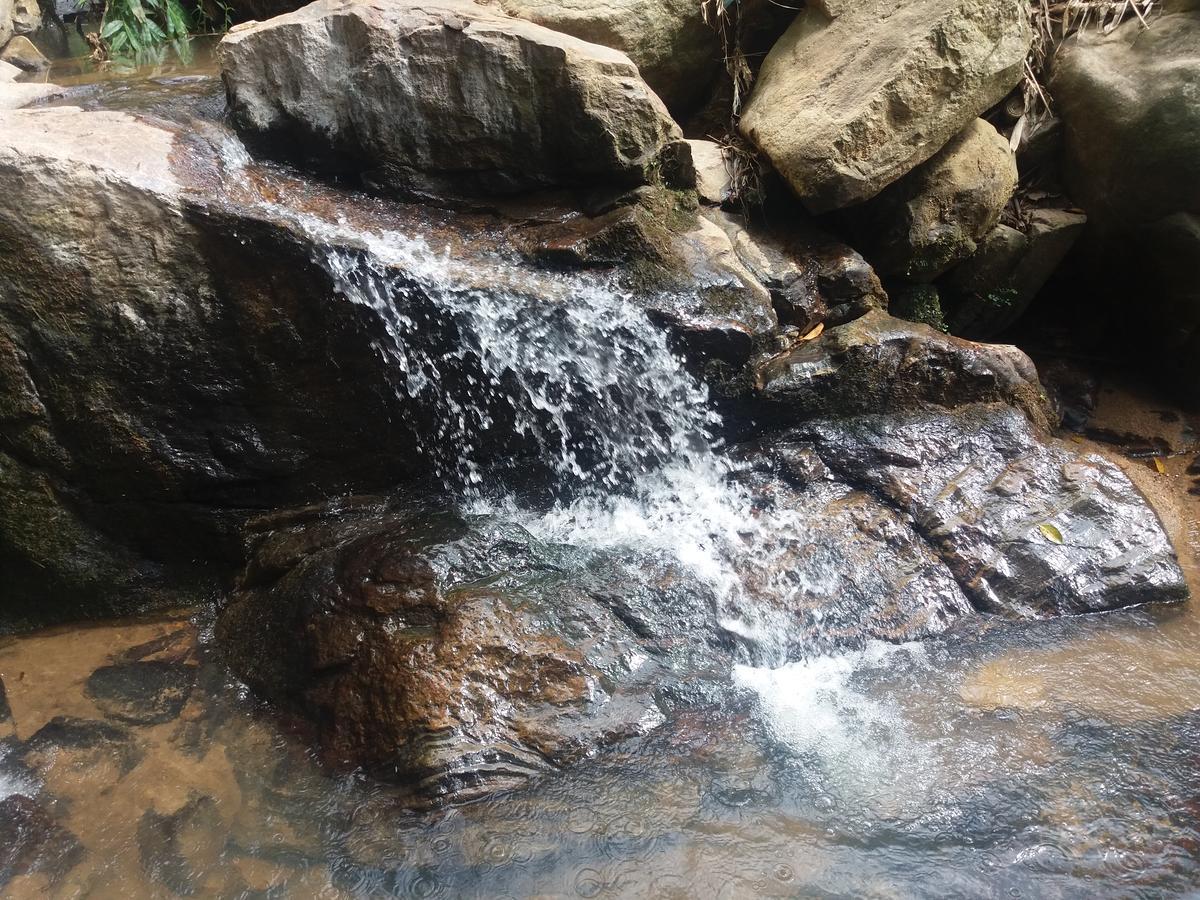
x: 108, y: 143
x: 447, y: 97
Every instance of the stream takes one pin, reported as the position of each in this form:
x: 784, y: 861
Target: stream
x: 997, y: 758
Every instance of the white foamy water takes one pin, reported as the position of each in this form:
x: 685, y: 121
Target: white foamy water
x: 570, y: 370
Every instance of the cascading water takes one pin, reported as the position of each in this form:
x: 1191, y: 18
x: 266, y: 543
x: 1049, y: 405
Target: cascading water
x: 509, y: 371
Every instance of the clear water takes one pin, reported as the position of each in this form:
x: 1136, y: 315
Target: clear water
x: 1049, y: 759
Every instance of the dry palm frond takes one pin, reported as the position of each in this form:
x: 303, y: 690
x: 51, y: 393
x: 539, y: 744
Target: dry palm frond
x: 741, y: 159
x: 1053, y: 22
x: 1056, y: 20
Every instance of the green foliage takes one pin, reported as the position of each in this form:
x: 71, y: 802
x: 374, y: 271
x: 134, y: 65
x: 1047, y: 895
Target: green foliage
x: 130, y: 28
x: 919, y: 303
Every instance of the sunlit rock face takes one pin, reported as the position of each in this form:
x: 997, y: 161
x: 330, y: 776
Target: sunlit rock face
x: 454, y: 98
x: 675, y: 50
x: 854, y: 96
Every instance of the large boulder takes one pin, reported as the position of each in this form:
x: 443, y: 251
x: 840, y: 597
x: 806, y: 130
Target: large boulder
x: 676, y: 52
x: 179, y: 350
x: 26, y: 16
x: 24, y: 54
x: 932, y: 218
x: 453, y: 98
x: 167, y: 363
x: 6, y: 21
x: 879, y: 364
x: 1130, y: 103
x: 845, y: 105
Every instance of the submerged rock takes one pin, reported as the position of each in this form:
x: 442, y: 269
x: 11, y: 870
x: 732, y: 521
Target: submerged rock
x: 457, y: 98
x: 82, y: 746
x: 183, y: 849
x: 141, y: 693
x: 31, y: 841
x: 853, y: 97
x: 167, y: 360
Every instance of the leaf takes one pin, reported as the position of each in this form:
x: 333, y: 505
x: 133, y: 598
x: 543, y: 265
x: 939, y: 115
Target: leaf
x: 1052, y: 534
x: 814, y: 333
x: 111, y: 27
x: 1158, y: 466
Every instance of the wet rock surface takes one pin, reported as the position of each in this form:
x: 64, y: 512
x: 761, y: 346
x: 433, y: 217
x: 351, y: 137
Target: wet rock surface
x: 1027, y: 526
x: 416, y: 653
x: 881, y: 364
x: 476, y: 89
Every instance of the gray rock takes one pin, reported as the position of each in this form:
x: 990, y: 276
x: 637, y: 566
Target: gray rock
x: 712, y: 172
x: 845, y: 106
x: 995, y: 287
x: 16, y: 95
x: 675, y: 51
x: 993, y: 499
x: 812, y: 277
x: 879, y: 364
x: 22, y: 53
x: 932, y: 218
x: 141, y: 693
x: 6, y: 21
x: 1132, y: 161
x: 5, y: 709
x: 26, y: 16
x: 1132, y: 125
x: 487, y: 102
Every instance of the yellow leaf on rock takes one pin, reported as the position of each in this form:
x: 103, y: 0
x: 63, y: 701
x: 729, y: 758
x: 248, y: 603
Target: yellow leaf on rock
x: 1052, y: 534
x: 815, y: 333
x: 1159, y: 467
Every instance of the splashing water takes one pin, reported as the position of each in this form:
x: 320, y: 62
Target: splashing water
x: 509, y: 369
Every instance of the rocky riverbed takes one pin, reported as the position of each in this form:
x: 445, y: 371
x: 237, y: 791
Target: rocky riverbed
x: 543, y: 503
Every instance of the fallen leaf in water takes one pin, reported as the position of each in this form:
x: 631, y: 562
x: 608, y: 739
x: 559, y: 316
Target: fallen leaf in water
x: 814, y: 334
x: 1159, y: 467
x: 1051, y: 533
